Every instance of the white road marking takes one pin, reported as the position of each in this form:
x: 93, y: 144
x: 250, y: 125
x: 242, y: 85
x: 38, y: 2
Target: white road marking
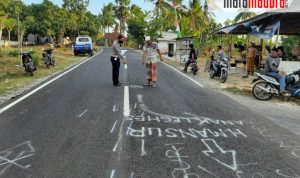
x: 83, y: 113
x: 199, y: 84
x: 115, y: 147
x: 126, y: 109
x: 45, y: 84
x: 112, y: 174
x: 129, y: 127
x: 143, y: 152
x: 113, y: 128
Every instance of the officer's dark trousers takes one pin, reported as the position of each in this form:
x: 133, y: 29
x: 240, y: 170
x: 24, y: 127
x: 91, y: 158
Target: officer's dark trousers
x: 115, y: 61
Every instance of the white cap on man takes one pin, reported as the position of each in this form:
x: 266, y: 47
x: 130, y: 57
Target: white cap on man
x: 147, y: 38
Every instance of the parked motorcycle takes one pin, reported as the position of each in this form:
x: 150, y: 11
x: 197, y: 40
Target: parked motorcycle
x: 28, y: 63
x: 219, y: 68
x: 48, y: 58
x: 266, y: 87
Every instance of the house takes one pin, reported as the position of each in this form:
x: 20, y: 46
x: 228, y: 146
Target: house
x: 167, y: 43
x: 183, y: 50
x: 111, y: 37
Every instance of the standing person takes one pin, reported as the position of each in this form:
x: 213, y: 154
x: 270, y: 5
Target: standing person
x: 208, y: 59
x: 192, y: 57
x: 250, y: 59
x: 150, y: 49
x: 115, y: 59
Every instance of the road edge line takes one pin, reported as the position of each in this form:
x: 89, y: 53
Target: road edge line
x: 193, y: 80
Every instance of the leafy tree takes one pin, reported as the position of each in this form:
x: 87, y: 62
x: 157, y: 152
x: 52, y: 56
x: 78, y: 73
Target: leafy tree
x: 137, y: 24
x: 2, y: 25
x: 228, y: 22
x: 77, y: 9
x: 122, y: 12
x: 107, y: 16
x: 244, y: 16
x: 4, y: 6
x: 289, y: 43
x: 10, y: 24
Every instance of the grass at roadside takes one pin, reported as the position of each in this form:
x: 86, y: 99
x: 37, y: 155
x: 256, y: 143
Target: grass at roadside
x: 238, y: 91
x: 13, y: 77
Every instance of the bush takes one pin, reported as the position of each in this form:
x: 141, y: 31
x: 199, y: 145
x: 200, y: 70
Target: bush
x: 35, y: 59
x: 13, y: 53
x: 2, y: 53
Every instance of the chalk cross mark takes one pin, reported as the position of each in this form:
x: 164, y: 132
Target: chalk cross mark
x: 14, y: 155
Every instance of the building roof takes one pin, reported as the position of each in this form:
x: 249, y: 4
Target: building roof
x: 289, y: 23
x: 112, y: 36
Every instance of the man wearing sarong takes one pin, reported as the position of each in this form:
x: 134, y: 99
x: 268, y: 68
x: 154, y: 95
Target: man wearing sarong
x: 250, y: 59
x: 149, y: 57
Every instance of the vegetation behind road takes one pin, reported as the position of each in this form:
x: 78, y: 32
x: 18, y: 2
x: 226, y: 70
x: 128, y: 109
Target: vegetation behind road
x: 12, y: 76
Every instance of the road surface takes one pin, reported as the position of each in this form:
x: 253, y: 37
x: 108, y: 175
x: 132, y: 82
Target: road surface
x: 80, y: 125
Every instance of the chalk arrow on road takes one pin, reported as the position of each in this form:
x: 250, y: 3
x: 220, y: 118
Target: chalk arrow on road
x: 215, y: 152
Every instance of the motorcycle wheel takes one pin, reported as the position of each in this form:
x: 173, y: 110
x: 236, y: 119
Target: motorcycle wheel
x: 261, y: 94
x: 31, y: 72
x: 223, y: 77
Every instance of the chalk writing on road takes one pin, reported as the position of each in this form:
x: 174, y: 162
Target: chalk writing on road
x: 190, y: 120
x: 288, y: 174
x: 213, y: 150
x: 145, y: 123
x: 16, y: 156
x: 184, y: 133
x: 183, y: 168
x: 295, y: 149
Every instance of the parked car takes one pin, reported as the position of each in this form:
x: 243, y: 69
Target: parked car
x: 83, y: 45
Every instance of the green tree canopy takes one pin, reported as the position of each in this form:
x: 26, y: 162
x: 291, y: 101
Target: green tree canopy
x: 107, y: 17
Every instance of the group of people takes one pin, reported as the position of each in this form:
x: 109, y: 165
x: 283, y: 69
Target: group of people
x: 150, y: 50
x: 149, y: 58
x: 209, y: 53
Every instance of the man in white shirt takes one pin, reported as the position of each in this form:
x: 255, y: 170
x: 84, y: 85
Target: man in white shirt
x: 149, y: 57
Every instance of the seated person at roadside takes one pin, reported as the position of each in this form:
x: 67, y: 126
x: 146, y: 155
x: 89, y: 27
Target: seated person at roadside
x: 281, y: 53
x: 221, y: 53
x: 271, y: 68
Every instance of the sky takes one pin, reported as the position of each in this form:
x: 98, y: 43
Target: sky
x: 95, y: 7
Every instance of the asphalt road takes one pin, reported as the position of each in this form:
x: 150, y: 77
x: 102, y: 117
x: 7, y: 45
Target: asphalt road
x: 80, y: 125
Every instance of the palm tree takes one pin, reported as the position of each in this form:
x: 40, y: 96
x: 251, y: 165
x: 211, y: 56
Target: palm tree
x: 107, y: 17
x: 195, y: 22
x: 168, y: 13
x: 122, y: 12
x: 244, y: 16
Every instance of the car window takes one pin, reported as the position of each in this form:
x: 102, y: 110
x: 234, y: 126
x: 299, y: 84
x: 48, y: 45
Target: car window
x: 83, y: 40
